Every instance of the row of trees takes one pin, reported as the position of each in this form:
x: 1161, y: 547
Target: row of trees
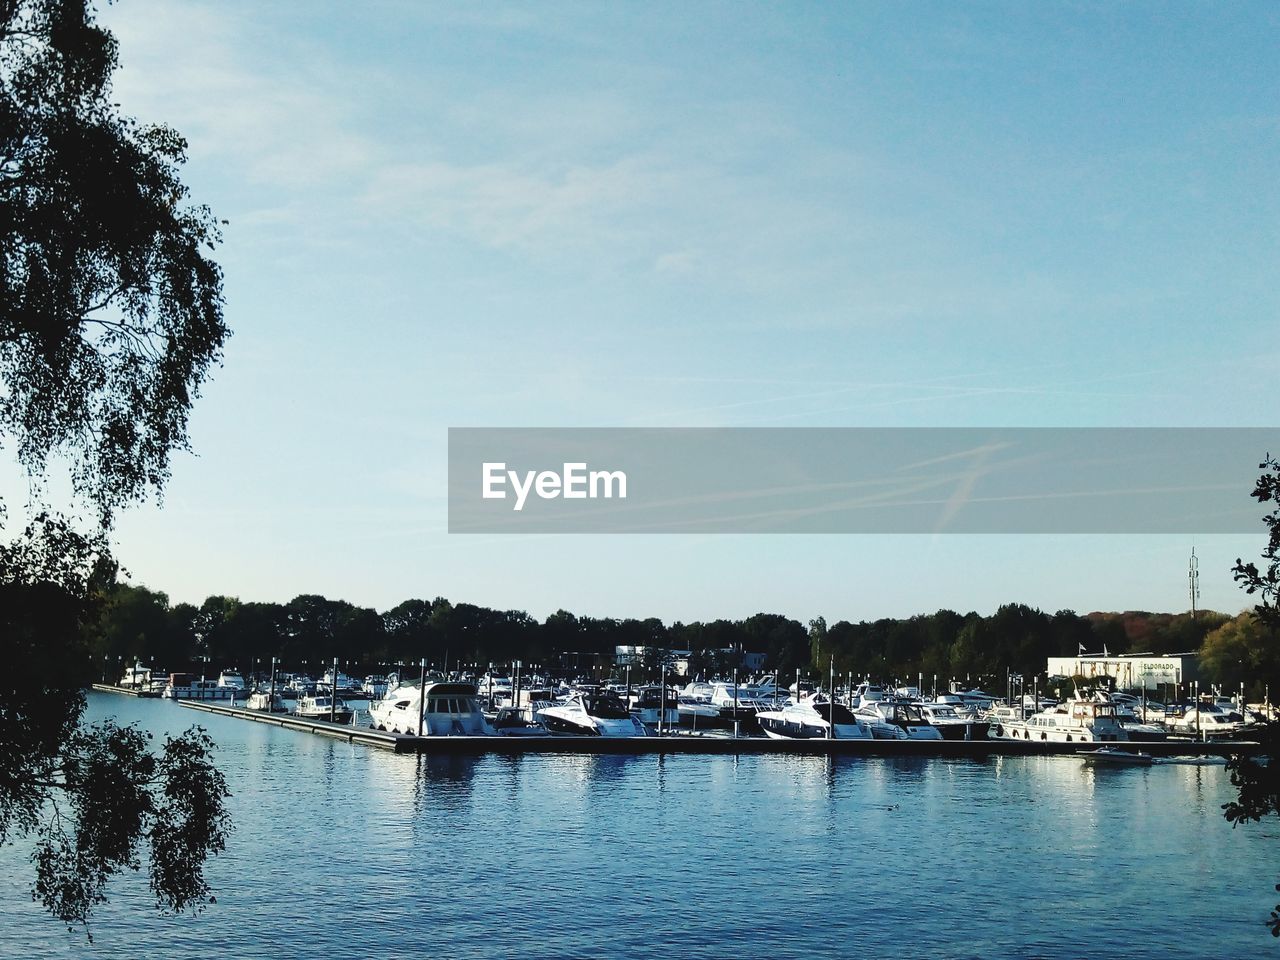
x: 138, y: 623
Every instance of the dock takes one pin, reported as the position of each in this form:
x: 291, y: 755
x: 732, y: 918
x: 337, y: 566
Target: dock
x: 127, y: 691
x: 721, y: 745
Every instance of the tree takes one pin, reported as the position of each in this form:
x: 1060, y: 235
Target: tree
x: 1242, y: 650
x: 1265, y: 583
x: 92, y: 796
x: 1257, y: 778
x: 110, y: 319
x: 110, y: 311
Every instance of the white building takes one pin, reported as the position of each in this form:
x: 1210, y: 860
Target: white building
x: 1131, y: 671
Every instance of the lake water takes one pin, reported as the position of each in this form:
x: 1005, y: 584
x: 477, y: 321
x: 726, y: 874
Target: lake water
x: 345, y: 851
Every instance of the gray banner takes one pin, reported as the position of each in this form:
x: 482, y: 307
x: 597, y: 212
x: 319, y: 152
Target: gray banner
x: 856, y: 480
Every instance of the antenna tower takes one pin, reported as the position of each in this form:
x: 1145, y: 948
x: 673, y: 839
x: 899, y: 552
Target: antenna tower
x: 1193, y: 581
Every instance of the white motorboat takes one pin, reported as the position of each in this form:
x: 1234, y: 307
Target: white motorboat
x: 184, y: 686
x: 345, y: 687
x: 1075, y: 721
x: 1206, y: 723
x: 739, y: 703
x: 449, y: 708
x: 323, y: 706
x: 650, y: 706
x: 865, y: 693
x: 893, y: 720
x: 515, y: 722
x: 694, y: 707
x: 265, y: 703
x: 813, y: 718
x: 374, y: 687
x: 232, y: 679
x: 139, y: 679
x: 951, y: 724
x: 590, y: 715
x: 1115, y: 757
x: 495, y: 690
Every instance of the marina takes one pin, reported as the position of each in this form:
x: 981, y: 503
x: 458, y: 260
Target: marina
x: 706, y: 743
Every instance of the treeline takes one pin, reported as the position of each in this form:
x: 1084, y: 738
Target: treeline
x: 141, y: 624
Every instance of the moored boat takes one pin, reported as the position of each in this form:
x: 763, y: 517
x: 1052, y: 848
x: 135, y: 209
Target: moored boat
x: 590, y: 715
x: 1075, y: 721
x: 440, y: 709
x: 892, y: 720
x: 265, y: 703
x: 322, y: 706
x: 184, y: 686
x: 813, y: 718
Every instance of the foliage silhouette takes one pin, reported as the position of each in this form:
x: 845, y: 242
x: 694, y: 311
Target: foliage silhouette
x: 110, y: 319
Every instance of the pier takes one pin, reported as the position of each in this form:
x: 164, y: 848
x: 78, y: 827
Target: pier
x: 127, y: 691
x: 722, y: 744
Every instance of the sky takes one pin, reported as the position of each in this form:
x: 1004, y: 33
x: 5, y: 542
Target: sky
x: 738, y: 214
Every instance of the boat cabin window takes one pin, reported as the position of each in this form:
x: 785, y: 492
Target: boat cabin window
x: 606, y: 708
x: 842, y: 713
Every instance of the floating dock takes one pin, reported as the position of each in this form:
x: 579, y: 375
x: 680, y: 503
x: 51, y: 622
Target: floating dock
x: 127, y: 691
x: 684, y: 742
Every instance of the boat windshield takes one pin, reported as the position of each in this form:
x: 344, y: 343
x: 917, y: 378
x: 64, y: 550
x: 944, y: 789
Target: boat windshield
x: 842, y: 714
x: 606, y: 708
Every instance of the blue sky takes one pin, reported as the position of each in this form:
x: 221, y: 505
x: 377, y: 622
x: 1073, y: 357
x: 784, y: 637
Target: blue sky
x: 702, y: 215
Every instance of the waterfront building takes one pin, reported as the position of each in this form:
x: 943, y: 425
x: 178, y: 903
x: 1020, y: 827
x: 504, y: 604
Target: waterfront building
x: 1129, y: 671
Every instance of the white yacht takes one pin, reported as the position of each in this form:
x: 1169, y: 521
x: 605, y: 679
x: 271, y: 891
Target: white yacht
x: 813, y: 718
x: 323, y: 706
x: 951, y: 724
x: 1076, y: 721
x: 374, y: 687
x: 495, y: 690
x: 449, y: 708
x: 893, y: 720
x: 265, y: 703
x: 184, y: 686
x: 232, y: 679
x: 650, y: 706
x: 1207, y: 723
x: 865, y: 693
x: 694, y: 707
x: 590, y: 715
x: 140, y: 680
x: 345, y: 687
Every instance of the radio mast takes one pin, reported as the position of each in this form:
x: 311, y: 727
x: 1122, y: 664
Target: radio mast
x: 1193, y: 581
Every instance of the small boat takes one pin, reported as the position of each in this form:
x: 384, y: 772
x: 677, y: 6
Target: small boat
x: 654, y: 708
x: 140, y: 680
x: 1112, y: 756
x: 590, y: 715
x: 265, y: 703
x: 515, y: 722
x: 232, y: 679
x: 813, y: 718
x: 322, y: 707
